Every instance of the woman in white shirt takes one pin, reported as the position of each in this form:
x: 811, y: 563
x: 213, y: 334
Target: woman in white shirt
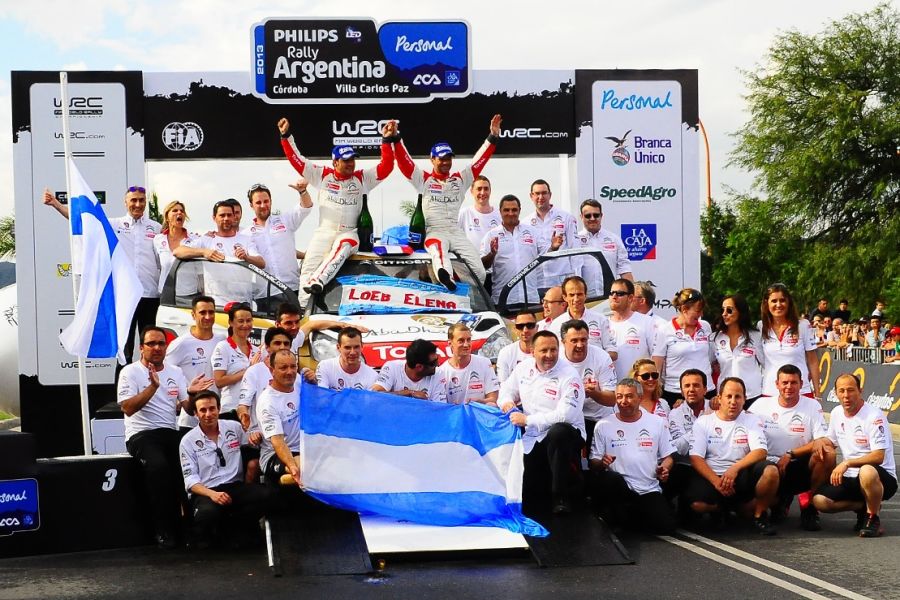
x: 738, y: 346
x: 233, y: 356
x: 786, y: 339
x: 644, y: 370
x: 173, y: 234
x: 682, y: 343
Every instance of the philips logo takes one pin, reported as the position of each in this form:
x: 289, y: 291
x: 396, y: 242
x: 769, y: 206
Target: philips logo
x: 182, y: 137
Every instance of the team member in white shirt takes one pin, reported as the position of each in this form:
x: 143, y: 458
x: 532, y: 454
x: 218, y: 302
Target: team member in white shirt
x: 150, y: 393
x: 347, y: 370
x: 593, y: 236
x: 553, y: 304
x: 631, y: 454
x: 232, y: 356
x: 728, y: 453
x: 551, y: 396
x: 738, y: 346
x: 135, y: 231
x: 507, y: 249
x: 480, y: 218
x: 792, y: 423
x: 575, y: 292
x: 226, y: 243
x: 681, y: 425
x: 520, y: 350
x: 646, y: 373
x: 470, y: 378
x: 786, y: 339
x: 171, y: 237
x: 644, y: 300
x: 213, y: 473
x: 255, y: 379
x: 683, y: 343
x: 273, y: 235
x: 553, y: 224
x: 867, y: 475
x: 192, y: 352
x: 415, y: 376
x: 278, y: 414
x: 596, y: 370
x: 633, y: 333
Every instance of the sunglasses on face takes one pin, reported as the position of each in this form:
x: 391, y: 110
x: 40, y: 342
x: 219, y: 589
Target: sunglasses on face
x: 591, y: 216
x: 728, y: 310
x: 617, y: 293
x: 221, y: 456
x: 136, y: 188
x: 648, y: 376
x: 521, y: 326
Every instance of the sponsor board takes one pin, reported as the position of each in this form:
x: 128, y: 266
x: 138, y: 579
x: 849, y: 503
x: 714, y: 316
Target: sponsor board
x: 880, y: 383
x: 347, y: 60
x: 19, y: 508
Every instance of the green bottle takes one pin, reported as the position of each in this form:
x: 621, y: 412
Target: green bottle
x: 417, y: 227
x: 364, y: 227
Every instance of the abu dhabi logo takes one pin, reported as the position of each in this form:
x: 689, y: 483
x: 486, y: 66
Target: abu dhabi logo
x: 620, y: 154
x: 182, y: 137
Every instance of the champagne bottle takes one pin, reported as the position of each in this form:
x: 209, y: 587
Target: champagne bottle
x: 417, y: 227
x: 364, y: 226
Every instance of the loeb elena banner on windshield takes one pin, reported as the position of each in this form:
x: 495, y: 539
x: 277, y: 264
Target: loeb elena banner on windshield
x: 349, y: 60
x: 637, y: 154
x: 376, y: 294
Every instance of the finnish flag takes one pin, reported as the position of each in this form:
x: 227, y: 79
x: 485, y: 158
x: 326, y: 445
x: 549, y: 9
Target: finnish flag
x: 414, y: 460
x: 110, y: 288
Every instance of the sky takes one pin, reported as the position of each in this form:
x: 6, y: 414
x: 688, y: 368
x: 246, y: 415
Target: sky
x: 719, y: 38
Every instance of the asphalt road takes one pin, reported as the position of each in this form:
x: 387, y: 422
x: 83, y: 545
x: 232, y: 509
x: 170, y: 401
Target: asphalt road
x: 735, y: 563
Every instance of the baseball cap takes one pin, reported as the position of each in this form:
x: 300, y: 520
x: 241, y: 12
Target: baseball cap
x: 343, y: 152
x: 441, y: 149
x: 895, y: 331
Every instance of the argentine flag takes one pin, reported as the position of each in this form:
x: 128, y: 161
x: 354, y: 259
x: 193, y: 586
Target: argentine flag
x: 414, y: 460
x: 110, y: 288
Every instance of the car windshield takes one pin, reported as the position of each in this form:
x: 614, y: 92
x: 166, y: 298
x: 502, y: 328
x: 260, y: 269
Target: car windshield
x: 401, y: 268
x: 225, y: 282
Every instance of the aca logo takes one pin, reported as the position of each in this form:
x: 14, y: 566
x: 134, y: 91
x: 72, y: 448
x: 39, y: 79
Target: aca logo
x: 639, y: 240
x: 620, y: 154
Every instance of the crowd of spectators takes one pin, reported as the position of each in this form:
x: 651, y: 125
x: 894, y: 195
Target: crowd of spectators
x: 839, y: 331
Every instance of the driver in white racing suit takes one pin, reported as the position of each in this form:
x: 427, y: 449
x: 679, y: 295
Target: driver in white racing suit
x: 443, y: 192
x: 340, y: 187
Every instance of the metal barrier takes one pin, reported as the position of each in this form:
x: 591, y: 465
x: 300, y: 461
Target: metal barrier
x: 865, y: 355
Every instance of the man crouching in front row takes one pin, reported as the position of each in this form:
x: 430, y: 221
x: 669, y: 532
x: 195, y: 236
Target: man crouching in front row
x: 728, y: 453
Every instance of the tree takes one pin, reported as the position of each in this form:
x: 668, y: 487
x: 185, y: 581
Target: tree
x: 824, y: 123
x: 7, y: 236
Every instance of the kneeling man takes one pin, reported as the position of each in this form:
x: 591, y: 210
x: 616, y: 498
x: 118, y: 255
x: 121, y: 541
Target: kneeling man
x: 630, y: 456
x: 728, y: 453
x: 867, y: 476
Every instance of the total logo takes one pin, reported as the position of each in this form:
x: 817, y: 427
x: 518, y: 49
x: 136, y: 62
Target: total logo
x: 427, y: 79
x: 182, y: 137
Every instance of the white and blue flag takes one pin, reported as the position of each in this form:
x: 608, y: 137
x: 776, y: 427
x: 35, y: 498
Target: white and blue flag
x: 425, y: 462
x: 110, y: 288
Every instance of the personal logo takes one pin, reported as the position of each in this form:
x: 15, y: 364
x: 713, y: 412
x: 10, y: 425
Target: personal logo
x: 740, y: 436
x: 182, y: 137
x: 640, y: 240
x: 620, y: 154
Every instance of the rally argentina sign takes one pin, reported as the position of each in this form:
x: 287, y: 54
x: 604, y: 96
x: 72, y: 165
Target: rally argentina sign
x: 347, y: 60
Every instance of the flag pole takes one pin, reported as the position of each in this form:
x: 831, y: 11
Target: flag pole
x: 67, y: 153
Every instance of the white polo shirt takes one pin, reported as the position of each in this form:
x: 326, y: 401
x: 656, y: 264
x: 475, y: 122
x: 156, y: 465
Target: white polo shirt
x: 723, y: 443
x: 507, y: 359
x: 789, y: 428
x: 278, y: 413
x: 200, y: 462
x: 681, y: 426
x: 194, y: 357
x: 229, y: 358
x: 745, y: 360
x: 789, y: 348
x: 159, y: 411
x: 860, y: 434
x: 596, y: 367
x: 634, y: 338
x: 682, y: 352
x: 515, y: 249
x: 613, y: 250
x: 476, y: 224
x: 393, y: 378
x: 277, y: 245
x: 218, y: 279
x: 136, y: 237
x: 638, y: 448
x: 471, y: 383
x: 599, y: 332
x: 330, y: 374
x: 557, y: 222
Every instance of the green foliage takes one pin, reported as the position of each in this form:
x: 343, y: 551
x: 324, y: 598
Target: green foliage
x: 823, y: 138
x: 153, y: 209
x: 407, y: 208
x: 7, y: 236
x: 825, y: 123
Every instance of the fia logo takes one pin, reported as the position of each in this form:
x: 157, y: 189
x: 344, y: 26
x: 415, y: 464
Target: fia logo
x: 182, y: 137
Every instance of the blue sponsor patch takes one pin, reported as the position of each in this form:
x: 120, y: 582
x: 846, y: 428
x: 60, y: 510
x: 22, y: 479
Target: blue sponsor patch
x: 410, y: 45
x: 639, y: 240
x: 19, y: 506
